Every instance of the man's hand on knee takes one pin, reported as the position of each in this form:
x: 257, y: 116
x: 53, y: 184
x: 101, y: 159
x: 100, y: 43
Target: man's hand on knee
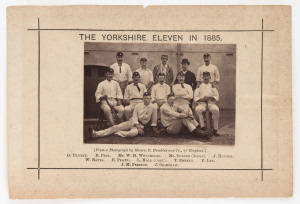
x: 103, y: 97
x: 182, y: 115
x: 185, y: 111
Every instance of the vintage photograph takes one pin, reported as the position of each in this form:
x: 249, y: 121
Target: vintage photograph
x: 159, y: 93
x: 138, y: 102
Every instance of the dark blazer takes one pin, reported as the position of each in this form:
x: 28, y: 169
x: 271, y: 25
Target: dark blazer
x: 169, y: 74
x: 190, y: 79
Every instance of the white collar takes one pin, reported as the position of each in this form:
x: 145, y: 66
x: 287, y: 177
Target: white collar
x: 208, y: 84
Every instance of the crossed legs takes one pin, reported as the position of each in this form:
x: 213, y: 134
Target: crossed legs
x: 125, y: 129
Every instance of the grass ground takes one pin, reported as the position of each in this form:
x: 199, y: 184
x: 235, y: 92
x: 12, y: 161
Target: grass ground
x: 226, y: 131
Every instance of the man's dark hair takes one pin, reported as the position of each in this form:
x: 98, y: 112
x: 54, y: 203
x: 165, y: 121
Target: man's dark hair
x: 170, y: 95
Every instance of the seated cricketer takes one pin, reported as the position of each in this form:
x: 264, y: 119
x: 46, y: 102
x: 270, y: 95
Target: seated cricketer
x: 174, y: 119
x: 183, y: 94
x: 143, y: 114
x: 133, y: 95
x: 110, y: 90
x: 206, y: 93
x: 160, y: 91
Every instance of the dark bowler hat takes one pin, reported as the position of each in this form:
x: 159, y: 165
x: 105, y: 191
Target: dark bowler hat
x: 110, y: 70
x: 119, y: 54
x: 206, y: 55
x: 143, y: 59
x: 206, y: 74
x: 161, y: 74
x: 147, y: 94
x: 135, y: 74
x: 185, y: 61
x: 180, y: 74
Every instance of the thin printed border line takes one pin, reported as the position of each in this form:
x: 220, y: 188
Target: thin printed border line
x: 78, y: 29
x: 39, y: 99
x: 39, y: 62
x: 261, y: 99
x: 187, y: 169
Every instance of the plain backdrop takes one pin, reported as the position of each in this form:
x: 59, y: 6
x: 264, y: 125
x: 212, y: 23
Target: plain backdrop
x: 296, y: 98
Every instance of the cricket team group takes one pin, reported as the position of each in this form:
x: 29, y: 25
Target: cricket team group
x: 138, y: 99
